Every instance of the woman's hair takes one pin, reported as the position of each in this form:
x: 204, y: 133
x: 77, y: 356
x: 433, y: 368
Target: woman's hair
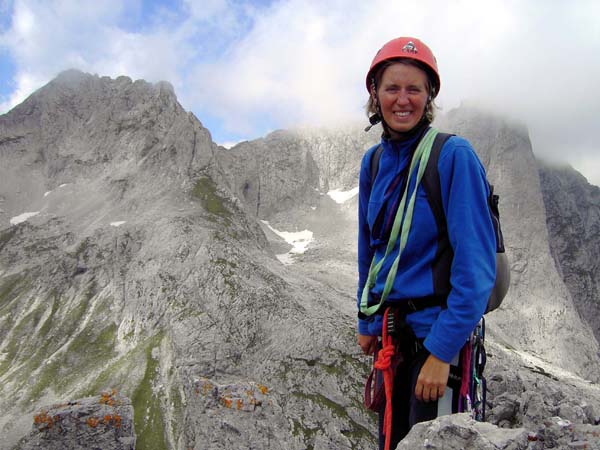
x: 371, y: 106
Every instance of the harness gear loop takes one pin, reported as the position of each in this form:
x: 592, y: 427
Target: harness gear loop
x: 384, y: 363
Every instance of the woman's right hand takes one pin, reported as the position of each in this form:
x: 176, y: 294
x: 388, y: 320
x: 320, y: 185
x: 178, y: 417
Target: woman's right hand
x: 368, y: 344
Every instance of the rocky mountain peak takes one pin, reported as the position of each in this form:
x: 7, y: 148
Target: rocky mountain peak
x: 133, y: 257
x: 84, y: 130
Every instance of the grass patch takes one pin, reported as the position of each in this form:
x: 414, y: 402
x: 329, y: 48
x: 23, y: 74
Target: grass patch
x: 357, y: 431
x: 148, y: 417
x: 23, y: 331
x: 82, y: 247
x: 118, y: 374
x: 177, y: 404
x: 86, y: 352
x: 206, y: 191
x: 308, y: 434
x: 10, y: 287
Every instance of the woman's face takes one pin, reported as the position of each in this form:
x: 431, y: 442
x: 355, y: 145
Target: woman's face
x: 402, y: 95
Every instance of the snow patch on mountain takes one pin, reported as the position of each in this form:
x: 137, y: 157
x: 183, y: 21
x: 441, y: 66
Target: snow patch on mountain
x: 23, y: 217
x: 299, y: 240
x: 342, y: 196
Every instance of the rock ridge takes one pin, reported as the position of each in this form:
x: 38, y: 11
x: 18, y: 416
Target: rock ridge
x: 137, y: 262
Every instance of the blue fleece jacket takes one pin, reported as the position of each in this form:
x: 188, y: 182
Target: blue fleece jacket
x: 470, y: 230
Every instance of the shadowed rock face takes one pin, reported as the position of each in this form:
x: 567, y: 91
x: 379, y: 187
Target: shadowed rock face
x: 573, y: 211
x: 141, y: 266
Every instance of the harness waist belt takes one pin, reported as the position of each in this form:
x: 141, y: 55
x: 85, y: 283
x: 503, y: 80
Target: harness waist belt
x: 408, y: 306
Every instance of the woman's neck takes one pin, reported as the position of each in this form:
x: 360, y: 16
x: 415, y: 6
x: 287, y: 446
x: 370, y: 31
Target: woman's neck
x: 406, y: 135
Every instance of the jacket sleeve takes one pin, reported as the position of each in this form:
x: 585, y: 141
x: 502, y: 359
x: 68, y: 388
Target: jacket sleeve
x: 464, y: 195
x: 365, y: 252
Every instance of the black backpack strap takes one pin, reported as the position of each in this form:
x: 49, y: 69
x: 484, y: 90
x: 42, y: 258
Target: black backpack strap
x: 432, y: 187
x: 375, y: 158
x: 493, y: 201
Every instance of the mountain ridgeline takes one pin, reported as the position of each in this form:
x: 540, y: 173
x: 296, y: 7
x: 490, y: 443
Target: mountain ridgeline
x: 135, y: 260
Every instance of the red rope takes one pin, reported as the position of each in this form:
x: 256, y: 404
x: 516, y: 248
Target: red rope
x: 384, y: 363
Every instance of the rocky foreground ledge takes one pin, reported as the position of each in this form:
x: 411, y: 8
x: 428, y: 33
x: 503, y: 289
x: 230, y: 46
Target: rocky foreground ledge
x: 459, y: 432
x: 106, y: 422
x: 102, y: 422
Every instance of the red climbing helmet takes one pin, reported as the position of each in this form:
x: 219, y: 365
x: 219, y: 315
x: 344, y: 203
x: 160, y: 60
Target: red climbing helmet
x: 406, y: 47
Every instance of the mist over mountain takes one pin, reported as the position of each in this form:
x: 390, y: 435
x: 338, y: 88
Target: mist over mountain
x: 139, y: 256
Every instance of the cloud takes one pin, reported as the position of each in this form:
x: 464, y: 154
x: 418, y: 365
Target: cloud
x: 48, y: 37
x: 304, y: 62
x: 248, y: 67
x: 292, y: 68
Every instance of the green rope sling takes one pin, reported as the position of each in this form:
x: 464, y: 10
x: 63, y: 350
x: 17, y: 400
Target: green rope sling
x: 403, y: 219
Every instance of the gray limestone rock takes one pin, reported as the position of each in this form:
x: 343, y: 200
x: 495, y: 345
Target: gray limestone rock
x: 141, y: 271
x: 461, y: 432
x: 573, y: 215
x: 102, y: 422
x: 538, y: 315
x: 132, y: 257
x: 271, y: 174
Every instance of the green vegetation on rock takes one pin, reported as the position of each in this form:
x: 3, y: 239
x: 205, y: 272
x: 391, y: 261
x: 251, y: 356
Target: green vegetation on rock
x: 88, y: 351
x: 206, y: 191
x: 148, y: 416
x: 11, y: 287
x: 357, y: 431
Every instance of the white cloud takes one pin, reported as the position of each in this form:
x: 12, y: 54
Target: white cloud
x: 49, y: 37
x: 304, y: 62
x: 588, y: 164
x: 298, y: 62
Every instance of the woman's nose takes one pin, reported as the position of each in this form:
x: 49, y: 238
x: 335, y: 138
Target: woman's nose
x: 402, y: 98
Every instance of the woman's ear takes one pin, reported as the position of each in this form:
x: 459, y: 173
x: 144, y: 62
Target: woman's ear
x: 374, y: 99
x: 374, y: 92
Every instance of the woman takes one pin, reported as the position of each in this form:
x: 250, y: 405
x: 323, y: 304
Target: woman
x: 402, y: 82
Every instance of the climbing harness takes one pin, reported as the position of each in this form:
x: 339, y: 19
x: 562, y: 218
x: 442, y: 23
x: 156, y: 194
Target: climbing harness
x: 398, y: 346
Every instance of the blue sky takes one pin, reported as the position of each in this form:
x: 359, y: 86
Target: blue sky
x: 248, y: 67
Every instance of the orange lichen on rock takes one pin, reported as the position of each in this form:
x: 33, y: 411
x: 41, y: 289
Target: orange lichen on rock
x: 227, y: 402
x: 92, y: 422
x: 107, y: 398
x: 206, y: 388
x: 239, y: 404
x: 44, y: 421
x: 114, y: 419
